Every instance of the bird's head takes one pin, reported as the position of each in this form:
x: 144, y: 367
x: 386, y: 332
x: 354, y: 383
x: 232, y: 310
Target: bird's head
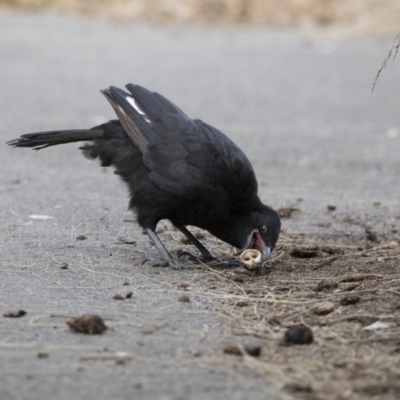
x: 258, y: 231
x: 265, y: 229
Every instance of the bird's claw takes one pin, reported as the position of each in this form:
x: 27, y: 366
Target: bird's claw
x: 192, y: 261
x: 209, y: 261
x: 189, y: 256
x: 224, y: 264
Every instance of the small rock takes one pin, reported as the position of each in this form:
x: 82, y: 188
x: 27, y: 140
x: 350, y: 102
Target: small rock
x: 370, y: 235
x: 251, y: 350
x: 42, y: 355
x: 120, y: 361
x: 118, y: 297
x: 360, y: 277
x: 304, y: 252
x: 286, y: 212
x: 184, y: 286
x: 331, y: 207
x: 88, y: 323
x: 129, y: 295
x: 14, y: 313
x: 184, y: 299
x: 349, y: 299
x: 326, y: 285
x: 323, y: 308
x: 81, y: 237
x: 232, y: 349
x: 298, y: 388
x: 298, y: 334
x: 64, y: 265
x: 125, y: 240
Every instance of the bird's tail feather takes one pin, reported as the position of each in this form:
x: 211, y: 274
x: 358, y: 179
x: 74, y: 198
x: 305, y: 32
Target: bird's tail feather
x: 40, y: 140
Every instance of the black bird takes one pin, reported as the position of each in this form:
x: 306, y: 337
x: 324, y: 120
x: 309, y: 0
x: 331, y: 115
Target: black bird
x: 176, y: 168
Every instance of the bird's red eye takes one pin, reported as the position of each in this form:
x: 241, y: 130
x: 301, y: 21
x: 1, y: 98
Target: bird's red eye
x: 263, y: 229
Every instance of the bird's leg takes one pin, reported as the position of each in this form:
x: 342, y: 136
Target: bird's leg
x: 206, y: 254
x: 169, y: 260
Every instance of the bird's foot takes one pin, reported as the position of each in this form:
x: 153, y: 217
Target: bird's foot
x: 185, y: 260
x: 175, y: 263
x: 209, y: 261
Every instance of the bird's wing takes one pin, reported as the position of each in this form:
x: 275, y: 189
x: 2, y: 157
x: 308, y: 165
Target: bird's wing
x: 182, y: 154
x: 225, y: 164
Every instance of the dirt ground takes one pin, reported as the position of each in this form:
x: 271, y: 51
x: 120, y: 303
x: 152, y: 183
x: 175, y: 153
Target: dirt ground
x: 361, y: 16
x: 347, y: 292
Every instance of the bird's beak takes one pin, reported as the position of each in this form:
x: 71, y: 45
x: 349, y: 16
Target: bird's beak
x: 266, y: 252
x: 256, y: 252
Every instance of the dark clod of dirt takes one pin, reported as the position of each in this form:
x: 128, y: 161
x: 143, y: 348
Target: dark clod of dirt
x: 129, y: 295
x: 379, y: 389
x: 298, y: 388
x: 349, y: 299
x: 326, y: 286
x: 14, y: 313
x: 286, y: 212
x: 251, y: 350
x: 371, y: 236
x: 81, y: 237
x: 42, y: 355
x: 64, y: 265
x: 88, y: 323
x: 331, y: 207
x: 298, y: 334
x: 184, y: 299
x: 184, y: 286
x: 360, y: 277
x: 306, y: 252
x: 118, y: 297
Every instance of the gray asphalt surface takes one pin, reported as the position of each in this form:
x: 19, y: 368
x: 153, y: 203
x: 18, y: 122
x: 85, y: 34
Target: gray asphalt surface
x: 298, y: 104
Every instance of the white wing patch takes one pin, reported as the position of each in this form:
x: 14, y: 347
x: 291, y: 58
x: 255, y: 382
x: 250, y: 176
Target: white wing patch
x: 133, y: 103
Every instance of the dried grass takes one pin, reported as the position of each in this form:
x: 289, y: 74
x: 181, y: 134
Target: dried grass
x: 346, y: 360
x: 390, y: 56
